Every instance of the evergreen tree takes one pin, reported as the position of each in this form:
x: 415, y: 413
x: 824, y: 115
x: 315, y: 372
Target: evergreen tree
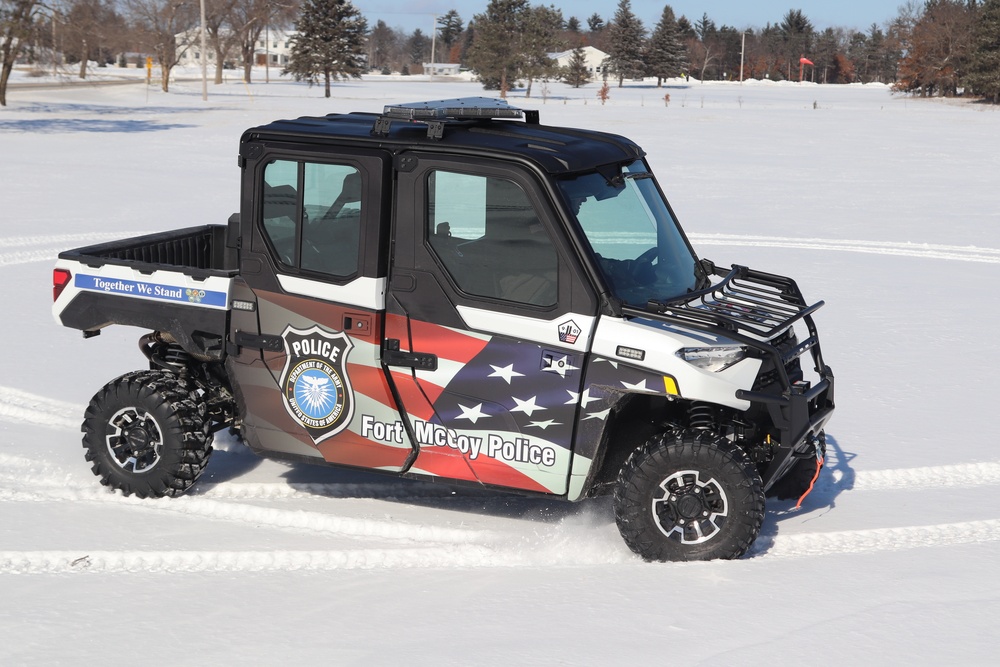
x: 496, y: 54
x: 797, y: 32
x: 573, y: 24
x: 627, y: 39
x: 984, y: 68
x: 595, y: 23
x: 418, y: 47
x: 705, y: 28
x: 666, y: 56
x: 576, y: 73
x: 449, y: 30
x: 542, y: 26
x: 330, y: 42
x: 382, y: 43
x: 686, y: 29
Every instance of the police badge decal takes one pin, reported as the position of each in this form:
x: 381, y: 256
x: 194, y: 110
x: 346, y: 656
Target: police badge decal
x: 314, y: 384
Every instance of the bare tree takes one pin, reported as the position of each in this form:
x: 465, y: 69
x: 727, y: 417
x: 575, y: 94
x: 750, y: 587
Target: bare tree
x: 222, y: 39
x: 249, y: 18
x: 16, y: 20
x: 93, y: 28
x: 158, y: 23
x: 938, y: 49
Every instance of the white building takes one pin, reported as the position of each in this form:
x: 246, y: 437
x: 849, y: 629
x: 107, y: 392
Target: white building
x: 442, y: 69
x: 593, y: 57
x: 273, y: 48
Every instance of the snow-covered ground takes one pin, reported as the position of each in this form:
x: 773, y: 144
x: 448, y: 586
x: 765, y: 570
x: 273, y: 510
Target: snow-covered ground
x: 885, y: 207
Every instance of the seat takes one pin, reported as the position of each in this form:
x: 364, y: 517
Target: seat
x: 350, y: 192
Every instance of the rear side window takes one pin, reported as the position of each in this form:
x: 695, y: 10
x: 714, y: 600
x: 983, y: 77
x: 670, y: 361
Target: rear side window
x: 311, y: 214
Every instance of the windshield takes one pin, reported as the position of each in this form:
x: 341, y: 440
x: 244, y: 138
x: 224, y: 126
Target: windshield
x: 639, y: 247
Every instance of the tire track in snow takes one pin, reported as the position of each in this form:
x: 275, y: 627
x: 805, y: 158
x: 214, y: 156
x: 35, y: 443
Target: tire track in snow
x: 558, y: 553
x: 804, y: 545
x: 47, y: 248
x: 51, y: 562
x: 22, y: 407
x: 967, y: 475
x: 300, y: 520
x: 923, y: 250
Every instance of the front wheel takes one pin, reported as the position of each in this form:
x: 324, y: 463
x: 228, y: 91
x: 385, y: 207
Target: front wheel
x: 144, y: 434
x: 689, y: 495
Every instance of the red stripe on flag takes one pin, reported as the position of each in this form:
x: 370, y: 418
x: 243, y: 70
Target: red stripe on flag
x: 444, y: 342
x: 414, y: 400
x: 351, y: 449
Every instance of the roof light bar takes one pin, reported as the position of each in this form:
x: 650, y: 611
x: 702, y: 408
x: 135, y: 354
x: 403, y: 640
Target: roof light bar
x: 464, y: 108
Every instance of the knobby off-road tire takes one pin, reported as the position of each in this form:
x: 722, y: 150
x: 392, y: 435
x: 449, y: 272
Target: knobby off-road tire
x: 689, y: 495
x: 797, y: 480
x: 144, y: 433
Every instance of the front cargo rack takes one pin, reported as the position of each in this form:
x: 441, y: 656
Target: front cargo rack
x: 753, y: 302
x: 753, y: 308
x: 435, y: 113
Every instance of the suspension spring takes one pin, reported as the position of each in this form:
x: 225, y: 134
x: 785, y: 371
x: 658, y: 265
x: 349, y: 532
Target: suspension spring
x: 175, y: 357
x: 701, y: 415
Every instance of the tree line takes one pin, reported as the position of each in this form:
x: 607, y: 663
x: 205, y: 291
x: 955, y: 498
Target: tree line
x: 935, y: 47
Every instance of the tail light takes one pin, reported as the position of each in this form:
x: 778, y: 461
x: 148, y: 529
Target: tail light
x: 60, y: 278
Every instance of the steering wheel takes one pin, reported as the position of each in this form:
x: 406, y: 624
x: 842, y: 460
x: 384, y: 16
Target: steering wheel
x: 641, y: 268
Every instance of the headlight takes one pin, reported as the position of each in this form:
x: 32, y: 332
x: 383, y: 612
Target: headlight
x: 712, y: 359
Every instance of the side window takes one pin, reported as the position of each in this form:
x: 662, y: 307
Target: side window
x: 312, y: 215
x: 490, y: 239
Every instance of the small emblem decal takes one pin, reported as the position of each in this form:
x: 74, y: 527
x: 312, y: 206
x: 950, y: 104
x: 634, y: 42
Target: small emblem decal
x: 314, y: 384
x: 569, y: 332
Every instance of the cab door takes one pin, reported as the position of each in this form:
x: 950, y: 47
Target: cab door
x: 310, y: 378
x: 488, y: 324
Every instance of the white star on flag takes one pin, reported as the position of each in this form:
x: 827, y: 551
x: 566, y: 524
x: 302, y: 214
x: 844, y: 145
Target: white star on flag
x: 528, y: 407
x: 545, y: 424
x: 638, y: 386
x: 602, y: 415
x: 507, y: 372
x: 575, y: 397
x: 472, y: 414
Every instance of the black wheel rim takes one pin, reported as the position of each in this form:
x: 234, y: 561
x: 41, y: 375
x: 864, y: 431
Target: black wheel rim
x: 693, y: 509
x: 135, y: 440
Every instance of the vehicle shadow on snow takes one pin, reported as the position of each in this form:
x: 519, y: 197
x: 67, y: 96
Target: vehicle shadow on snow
x: 838, y: 476
x: 63, y: 125
x: 108, y: 110
x: 341, y: 483
x: 231, y: 460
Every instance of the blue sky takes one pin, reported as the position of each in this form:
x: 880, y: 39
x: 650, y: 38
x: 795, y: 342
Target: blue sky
x: 859, y: 14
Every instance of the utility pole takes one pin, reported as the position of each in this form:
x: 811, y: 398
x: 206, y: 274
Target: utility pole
x: 743, y: 46
x: 204, y: 56
x: 434, y: 34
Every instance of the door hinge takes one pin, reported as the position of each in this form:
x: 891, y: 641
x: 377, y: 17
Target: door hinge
x: 421, y: 361
x: 266, y: 342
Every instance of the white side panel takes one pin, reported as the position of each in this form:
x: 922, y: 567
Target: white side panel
x: 163, y: 286
x: 571, y: 330
x: 661, y: 345
x: 362, y: 292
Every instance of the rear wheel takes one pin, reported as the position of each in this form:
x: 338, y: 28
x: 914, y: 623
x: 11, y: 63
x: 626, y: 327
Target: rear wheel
x: 689, y: 495
x: 145, y: 434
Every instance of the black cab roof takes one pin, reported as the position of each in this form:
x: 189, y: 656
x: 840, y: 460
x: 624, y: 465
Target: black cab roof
x: 478, y: 126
